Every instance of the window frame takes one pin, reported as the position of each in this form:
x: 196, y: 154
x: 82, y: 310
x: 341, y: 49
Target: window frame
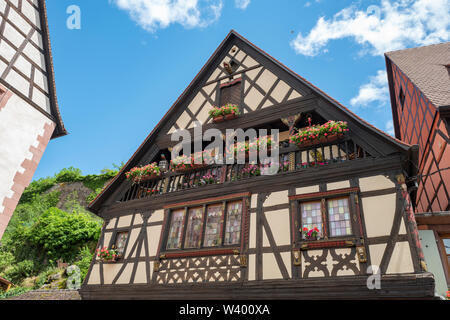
x: 233, y: 82
x: 224, y: 202
x: 352, y: 194
x: 113, y: 240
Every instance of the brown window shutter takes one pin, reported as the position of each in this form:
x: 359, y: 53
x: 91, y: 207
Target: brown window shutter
x: 231, y: 93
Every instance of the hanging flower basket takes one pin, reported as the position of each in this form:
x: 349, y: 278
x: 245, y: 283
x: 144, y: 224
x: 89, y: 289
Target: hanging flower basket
x: 140, y: 174
x: 227, y: 112
x: 319, y: 134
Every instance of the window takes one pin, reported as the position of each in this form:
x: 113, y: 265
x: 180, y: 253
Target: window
x: 121, y: 241
x: 401, y: 97
x: 207, y: 226
x: 339, y: 216
x: 233, y: 226
x: 330, y: 216
x: 312, y: 216
x: 214, y: 225
x: 194, y: 228
x: 231, y: 93
x: 176, y: 225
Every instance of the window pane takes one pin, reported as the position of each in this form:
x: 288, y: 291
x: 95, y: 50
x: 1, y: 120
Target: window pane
x: 447, y: 245
x: 233, y: 225
x: 311, y: 216
x: 339, y: 217
x: 176, y: 227
x: 194, y: 228
x: 121, y: 240
x: 214, y: 223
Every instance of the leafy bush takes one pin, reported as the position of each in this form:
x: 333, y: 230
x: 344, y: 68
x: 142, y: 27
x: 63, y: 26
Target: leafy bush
x: 61, y: 233
x: 20, y: 271
x: 13, y: 292
x: 37, y: 187
x: 6, y: 260
x: 26, y: 214
x: 70, y: 174
x: 84, y: 259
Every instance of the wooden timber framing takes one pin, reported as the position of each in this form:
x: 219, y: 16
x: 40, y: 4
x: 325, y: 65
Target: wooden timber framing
x: 271, y: 260
x: 419, y: 286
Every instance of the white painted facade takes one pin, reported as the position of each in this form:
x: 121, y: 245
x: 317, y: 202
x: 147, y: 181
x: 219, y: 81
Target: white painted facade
x: 28, y: 107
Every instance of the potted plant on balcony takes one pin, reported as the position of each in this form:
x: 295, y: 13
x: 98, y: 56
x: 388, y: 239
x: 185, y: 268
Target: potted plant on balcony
x: 139, y: 174
x: 226, y: 112
x: 187, y: 163
x: 310, y: 234
x: 107, y: 255
x: 328, y: 132
x: 208, y: 179
x: 261, y: 143
x: 251, y: 170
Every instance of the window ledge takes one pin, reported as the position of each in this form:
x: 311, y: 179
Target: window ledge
x: 200, y: 253
x: 322, y: 244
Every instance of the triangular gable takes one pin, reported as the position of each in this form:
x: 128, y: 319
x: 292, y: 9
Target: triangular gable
x: 194, y: 104
x: 261, y: 89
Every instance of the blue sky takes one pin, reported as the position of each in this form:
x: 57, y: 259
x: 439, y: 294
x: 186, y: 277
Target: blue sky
x: 118, y: 75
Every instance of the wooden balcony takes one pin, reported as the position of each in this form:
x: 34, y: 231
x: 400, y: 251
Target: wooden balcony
x: 292, y: 159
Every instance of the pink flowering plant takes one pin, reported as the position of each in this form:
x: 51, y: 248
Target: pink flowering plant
x: 190, y: 162
x: 316, y: 132
x: 139, y: 173
x: 208, y: 179
x: 224, y: 110
x: 254, y: 145
x: 251, y: 170
x: 310, y: 234
x: 106, y: 254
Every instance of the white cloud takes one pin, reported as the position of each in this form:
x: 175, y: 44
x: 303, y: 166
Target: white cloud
x: 307, y: 4
x: 159, y: 14
x: 375, y: 90
x: 395, y: 24
x: 390, y: 128
x: 242, y: 4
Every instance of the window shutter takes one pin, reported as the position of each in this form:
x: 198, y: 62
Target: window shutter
x: 231, y: 94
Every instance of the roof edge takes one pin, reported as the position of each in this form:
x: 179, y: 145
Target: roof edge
x: 60, y: 130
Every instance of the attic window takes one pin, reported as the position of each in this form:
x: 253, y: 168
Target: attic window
x: 230, y: 93
x: 401, y: 97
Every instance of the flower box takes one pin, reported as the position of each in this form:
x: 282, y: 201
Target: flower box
x: 319, y: 134
x: 190, y: 167
x: 225, y: 117
x: 227, y: 112
x: 148, y: 172
x: 321, y: 140
x: 108, y: 255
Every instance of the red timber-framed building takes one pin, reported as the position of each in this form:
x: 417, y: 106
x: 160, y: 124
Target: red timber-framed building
x: 419, y: 84
x: 223, y: 231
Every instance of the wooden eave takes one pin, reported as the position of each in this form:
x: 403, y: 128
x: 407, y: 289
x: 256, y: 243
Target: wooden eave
x: 60, y: 130
x: 233, y: 38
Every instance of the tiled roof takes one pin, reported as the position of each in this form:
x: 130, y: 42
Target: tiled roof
x: 426, y: 68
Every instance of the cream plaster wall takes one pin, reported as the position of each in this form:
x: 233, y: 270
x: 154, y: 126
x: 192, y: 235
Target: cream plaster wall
x: 379, y: 214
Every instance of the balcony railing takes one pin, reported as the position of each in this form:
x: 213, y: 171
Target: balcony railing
x: 292, y: 159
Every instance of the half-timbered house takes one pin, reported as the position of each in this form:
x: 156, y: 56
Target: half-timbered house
x: 29, y: 114
x: 419, y: 83
x: 238, y: 234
